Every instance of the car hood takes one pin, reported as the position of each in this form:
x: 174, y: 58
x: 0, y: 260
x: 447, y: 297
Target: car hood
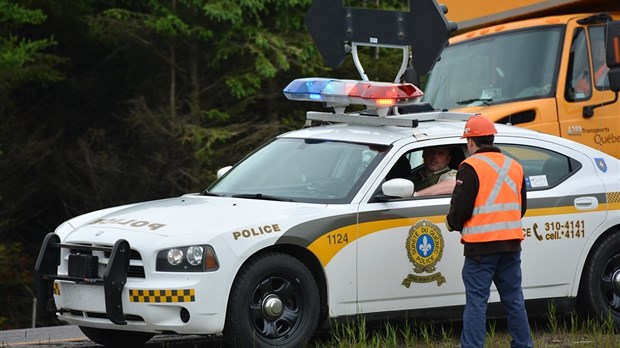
x: 188, y: 215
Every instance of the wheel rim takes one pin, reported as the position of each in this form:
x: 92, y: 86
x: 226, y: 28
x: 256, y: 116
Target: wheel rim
x: 276, y: 307
x: 610, y: 283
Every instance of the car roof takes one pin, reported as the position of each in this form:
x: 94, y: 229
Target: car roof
x: 387, y: 135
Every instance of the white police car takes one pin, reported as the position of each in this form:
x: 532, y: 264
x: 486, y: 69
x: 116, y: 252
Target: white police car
x: 300, y: 231
x: 320, y: 223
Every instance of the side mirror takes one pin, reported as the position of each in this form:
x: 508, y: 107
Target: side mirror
x: 613, y: 54
x: 401, y: 188
x: 612, y: 58
x: 222, y: 171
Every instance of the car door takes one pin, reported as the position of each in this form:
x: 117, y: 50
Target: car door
x: 406, y: 257
x: 563, y: 215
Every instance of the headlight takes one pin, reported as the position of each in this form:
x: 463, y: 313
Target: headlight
x: 193, y: 258
x: 194, y: 255
x: 175, y: 257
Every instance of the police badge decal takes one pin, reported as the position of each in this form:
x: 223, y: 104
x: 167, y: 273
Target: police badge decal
x: 424, y: 249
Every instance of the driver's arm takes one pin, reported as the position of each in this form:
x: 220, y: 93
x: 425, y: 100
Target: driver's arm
x: 444, y: 187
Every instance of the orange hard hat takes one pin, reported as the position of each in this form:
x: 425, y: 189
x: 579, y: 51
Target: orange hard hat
x: 478, y: 126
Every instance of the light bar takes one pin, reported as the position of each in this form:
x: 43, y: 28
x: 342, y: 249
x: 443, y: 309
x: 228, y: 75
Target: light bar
x: 352, y: 92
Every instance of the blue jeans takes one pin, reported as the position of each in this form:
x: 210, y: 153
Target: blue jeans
x: 503, y: 269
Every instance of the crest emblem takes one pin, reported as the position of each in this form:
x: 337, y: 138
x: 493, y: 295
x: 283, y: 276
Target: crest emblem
x: 424, y: 248
x: 600, y: 164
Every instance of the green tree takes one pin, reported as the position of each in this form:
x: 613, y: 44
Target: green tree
x: 25, y: 65
x: 105, y: 103
x: 206, y: 82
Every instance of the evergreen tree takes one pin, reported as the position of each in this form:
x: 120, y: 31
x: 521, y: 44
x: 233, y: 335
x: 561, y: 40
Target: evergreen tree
x: 25, y: 66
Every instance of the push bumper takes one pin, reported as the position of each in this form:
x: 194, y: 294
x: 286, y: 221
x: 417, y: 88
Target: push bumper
x: 113, y: 280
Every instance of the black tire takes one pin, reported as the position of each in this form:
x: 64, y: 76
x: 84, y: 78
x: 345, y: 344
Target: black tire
x: 116, y: 338
x: 599, y: 295
x: 274, y: 302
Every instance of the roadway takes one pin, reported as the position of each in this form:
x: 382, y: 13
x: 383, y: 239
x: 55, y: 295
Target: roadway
x: 71, y: 336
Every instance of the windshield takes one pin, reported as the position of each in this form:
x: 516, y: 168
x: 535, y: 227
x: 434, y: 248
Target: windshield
x: 496, y: 69
x: 302, y: 170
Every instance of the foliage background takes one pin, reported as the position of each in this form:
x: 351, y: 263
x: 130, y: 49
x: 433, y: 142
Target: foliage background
x: 107, y: 102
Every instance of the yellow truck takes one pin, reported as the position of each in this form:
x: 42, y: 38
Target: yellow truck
x: 539, y: 64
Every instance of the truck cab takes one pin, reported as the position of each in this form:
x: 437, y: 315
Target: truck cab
x: 548, y: 74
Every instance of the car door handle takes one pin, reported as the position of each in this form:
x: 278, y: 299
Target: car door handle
x: 586, y: 203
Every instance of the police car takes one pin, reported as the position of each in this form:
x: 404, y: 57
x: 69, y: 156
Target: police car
x: 318, y: 223
x: 322, y: 224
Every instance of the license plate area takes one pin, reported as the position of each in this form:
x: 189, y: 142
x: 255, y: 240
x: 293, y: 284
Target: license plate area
x: 83, y: 266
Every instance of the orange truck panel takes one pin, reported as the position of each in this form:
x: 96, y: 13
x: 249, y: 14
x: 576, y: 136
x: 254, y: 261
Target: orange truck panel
x: 534, y: 64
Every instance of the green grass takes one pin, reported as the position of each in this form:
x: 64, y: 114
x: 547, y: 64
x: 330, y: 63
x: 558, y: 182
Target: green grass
x: 552, y: 332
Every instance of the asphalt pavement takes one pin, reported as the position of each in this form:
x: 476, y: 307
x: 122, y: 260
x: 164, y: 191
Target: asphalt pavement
x: 71, y: 336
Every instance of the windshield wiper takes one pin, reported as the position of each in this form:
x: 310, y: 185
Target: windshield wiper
x: 263, y: 197
x: 485, y: 101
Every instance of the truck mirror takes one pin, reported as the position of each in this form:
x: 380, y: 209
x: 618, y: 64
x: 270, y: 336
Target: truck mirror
x: 412, y: 76
x: 613, y: 54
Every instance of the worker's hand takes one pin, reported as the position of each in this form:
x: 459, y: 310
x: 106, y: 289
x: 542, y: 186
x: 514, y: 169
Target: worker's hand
x: 448, y: 225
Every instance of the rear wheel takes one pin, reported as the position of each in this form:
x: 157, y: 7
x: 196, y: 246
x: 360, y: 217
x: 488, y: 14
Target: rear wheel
x: 600, y: 283
x: 116, y: 338
x: 274, y: 302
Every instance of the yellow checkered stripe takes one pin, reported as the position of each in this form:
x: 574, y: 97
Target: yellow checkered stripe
x: 162, y: 296
x: 56, y: 289
x: 613, y: 197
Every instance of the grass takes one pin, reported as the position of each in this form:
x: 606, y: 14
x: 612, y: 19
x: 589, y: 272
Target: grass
x: 556, y: 332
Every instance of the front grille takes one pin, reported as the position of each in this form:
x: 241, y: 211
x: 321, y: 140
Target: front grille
x: 128, y: 317
x: 134, y: 255
x: 135, y: 271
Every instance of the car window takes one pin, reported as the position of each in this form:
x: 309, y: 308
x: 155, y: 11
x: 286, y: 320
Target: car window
x: 457, y: 155
x: 428, y: 178
x: 303, y: 170
x: 542, y: 168
x: 416, y: 161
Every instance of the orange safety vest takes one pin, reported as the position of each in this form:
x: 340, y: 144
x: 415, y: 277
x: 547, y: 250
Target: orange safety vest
x: 497, y: 208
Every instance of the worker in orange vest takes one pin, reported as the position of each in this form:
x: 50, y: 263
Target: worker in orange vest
x: 487, y: 204
x: 599, y: 63
x: 601, y: 70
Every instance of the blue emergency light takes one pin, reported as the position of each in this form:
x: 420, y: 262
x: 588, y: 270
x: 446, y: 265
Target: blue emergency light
x: 352, y: 92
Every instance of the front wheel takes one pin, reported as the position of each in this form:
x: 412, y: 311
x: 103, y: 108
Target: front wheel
x: 274, y: 302
x: 600, y: 283
x: 116, y: 338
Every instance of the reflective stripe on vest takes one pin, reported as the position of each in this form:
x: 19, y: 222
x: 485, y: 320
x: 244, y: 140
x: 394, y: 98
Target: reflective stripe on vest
x: 497, y: 209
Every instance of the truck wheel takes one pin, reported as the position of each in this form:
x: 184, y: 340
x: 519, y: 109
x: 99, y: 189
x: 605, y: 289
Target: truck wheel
x: 116, y: 338
x: 600, y: 283
x: 274, y: 302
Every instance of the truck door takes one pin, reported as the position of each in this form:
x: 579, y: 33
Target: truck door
x: 586, y: 114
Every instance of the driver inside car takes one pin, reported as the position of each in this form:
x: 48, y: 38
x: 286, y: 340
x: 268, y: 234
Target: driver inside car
x: 435, y: 177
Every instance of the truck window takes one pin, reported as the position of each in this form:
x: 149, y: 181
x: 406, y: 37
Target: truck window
x: 495, y: 69
x: 597, y: 49
x: 578, y: 81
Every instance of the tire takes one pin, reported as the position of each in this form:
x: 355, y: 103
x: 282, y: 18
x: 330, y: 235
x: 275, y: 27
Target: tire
x: 599, y: 296
x: 274, y: 302
x: 116, y: 338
